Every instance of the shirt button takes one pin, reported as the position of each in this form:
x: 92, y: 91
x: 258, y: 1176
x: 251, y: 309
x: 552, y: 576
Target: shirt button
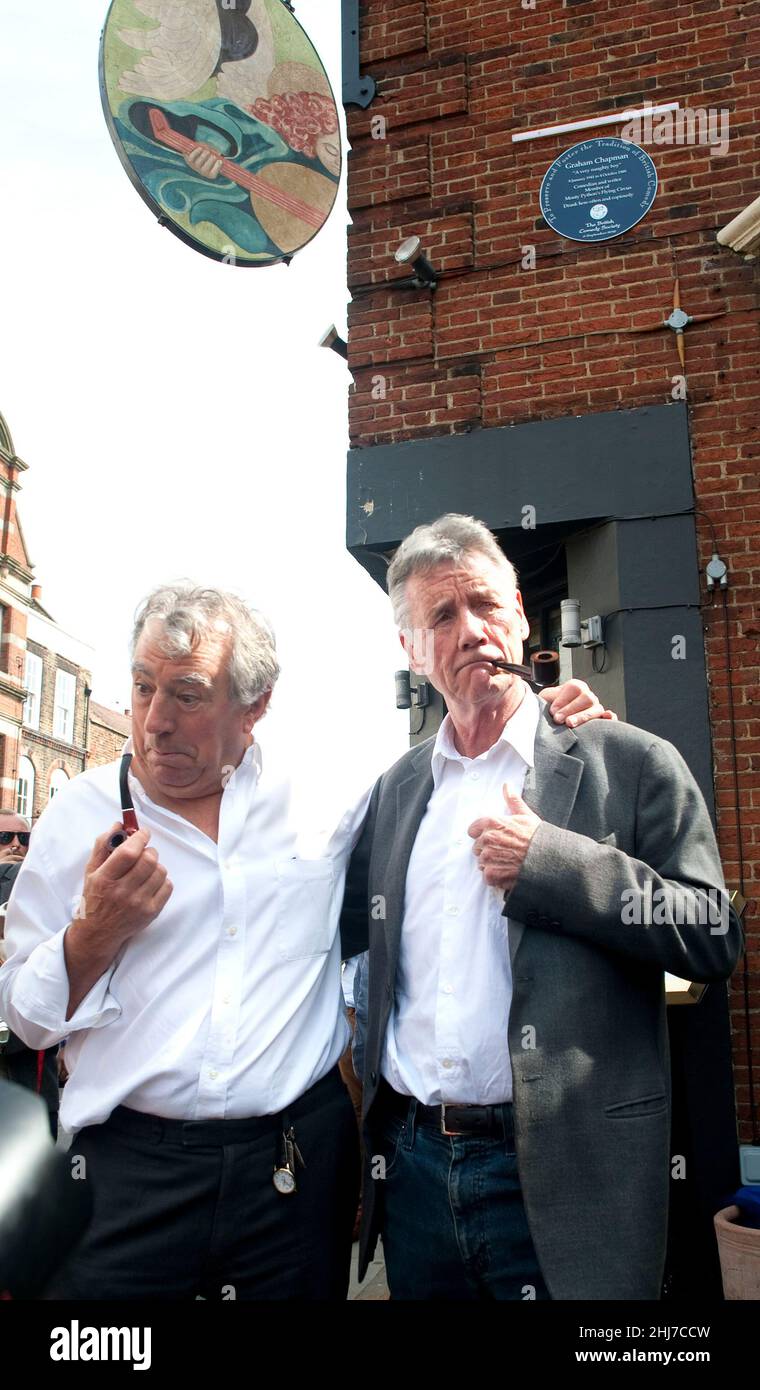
x: 232, y: 931
x: 447, y: 1062
x: 448, y: 989
x: 474, y: 776
x: 453, y: 911
x: 214, y: 1074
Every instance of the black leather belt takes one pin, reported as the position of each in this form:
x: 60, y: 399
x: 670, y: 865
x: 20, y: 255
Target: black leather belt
x: 219, y: 1133
x: 477, y: 1121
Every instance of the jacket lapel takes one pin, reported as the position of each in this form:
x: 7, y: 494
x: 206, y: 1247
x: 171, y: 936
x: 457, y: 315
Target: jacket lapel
x: 412, y: 797
x: 551, y: 786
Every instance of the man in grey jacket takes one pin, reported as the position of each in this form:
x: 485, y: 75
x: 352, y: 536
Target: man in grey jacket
x: 522, y: 888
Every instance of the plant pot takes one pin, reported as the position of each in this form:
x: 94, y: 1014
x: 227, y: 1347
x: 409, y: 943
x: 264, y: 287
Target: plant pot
x: 739, y: 1249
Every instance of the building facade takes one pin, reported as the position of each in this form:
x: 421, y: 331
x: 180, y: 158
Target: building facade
x: 47, y: 730
x: 109, y: 730
x: 538, y: 386
x: 53, y: 745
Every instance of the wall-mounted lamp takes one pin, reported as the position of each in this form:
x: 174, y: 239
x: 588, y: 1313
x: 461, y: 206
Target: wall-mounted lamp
x: 717, y: 572
x: 577, y: 631
x: 410, y: 253
x: 406, y: 697
x: 332, y: 339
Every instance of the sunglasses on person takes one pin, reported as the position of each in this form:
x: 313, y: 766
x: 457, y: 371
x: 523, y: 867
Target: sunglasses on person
x: 23, y: 836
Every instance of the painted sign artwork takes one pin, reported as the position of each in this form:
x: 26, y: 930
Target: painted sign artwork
x: 223, y: 117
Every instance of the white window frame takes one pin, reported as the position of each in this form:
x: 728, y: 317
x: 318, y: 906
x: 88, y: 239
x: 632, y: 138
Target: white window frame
x: 25, y: 787
x: 58, y: 779
x: 64, y: 705
x: 33, y: 683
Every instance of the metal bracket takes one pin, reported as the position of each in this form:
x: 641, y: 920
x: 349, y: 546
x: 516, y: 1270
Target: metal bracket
x: 357, y: 90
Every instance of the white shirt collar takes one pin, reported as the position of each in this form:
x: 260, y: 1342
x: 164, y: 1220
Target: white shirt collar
x: 519, y: 732
x: 251, y: 757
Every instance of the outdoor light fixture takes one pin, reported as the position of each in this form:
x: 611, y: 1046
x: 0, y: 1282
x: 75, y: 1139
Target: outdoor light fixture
x: 332, y: 339
x: 577, y: 631
x: 406, y: 698
x: 410, y: 253
x: 717, y: 572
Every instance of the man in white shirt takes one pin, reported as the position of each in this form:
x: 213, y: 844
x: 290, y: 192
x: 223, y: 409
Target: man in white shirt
x: 195, y: 969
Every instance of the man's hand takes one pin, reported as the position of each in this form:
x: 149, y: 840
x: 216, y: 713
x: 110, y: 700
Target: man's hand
x: 205, y: 160
x: 123, y: 892
x: 501, y: 845
x: 9, y: 855
x: 573, y: 703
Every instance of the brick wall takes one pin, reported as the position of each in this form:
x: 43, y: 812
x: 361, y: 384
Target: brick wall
x: 107, y: 738
x: 499, y: 343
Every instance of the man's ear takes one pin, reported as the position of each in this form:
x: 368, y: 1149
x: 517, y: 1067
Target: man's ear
x: 256, y: 711
x: 524, y: 624
x: 406, y: 638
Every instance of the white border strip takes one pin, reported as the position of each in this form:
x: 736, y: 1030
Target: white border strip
x: 630, y: 114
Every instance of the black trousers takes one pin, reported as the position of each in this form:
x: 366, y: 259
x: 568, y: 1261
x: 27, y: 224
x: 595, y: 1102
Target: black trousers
x: 182, y: 1210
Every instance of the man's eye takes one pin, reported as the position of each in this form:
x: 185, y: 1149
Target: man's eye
x: 141, y: 689
x: 188, y: 699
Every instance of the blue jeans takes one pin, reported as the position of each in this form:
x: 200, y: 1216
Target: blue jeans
x: 455, y: 1224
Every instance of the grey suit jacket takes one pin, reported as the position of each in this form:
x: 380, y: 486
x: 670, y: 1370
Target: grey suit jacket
x: 587, y: 1035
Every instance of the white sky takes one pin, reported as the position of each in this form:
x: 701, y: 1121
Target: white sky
x: 177, y: 416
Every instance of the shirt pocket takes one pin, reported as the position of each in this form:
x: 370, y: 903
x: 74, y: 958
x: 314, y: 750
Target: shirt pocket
x: 305, y: 908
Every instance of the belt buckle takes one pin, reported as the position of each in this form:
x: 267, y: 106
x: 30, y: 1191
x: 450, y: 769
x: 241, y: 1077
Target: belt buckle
x: 450, y: 1133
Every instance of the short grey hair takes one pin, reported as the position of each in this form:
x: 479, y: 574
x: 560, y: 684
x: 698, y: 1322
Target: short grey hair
x: 189, y: 614
x: 446, y: 541
x: 6, y: 811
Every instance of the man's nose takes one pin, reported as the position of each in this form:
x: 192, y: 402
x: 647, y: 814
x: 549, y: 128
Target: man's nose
x: 160, y: 716
x: 471, y: 631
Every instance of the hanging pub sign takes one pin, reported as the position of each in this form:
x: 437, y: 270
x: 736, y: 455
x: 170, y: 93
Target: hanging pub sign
x: 598, y: 190
x: 224, y: 119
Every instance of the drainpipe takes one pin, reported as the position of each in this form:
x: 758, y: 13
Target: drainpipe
x: 87, y: 695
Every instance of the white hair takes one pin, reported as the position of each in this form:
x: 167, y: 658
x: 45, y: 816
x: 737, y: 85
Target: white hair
x: 6, y: 811
x: 188, y: 614
x: 448, y: 540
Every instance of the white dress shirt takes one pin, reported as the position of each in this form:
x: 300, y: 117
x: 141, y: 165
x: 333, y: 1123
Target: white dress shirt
x: 229, y: 1004
x: 447, y: 1033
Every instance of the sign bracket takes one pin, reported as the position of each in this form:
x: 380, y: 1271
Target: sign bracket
x: 358, y: 90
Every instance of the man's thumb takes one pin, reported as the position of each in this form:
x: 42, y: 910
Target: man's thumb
x: 513, y: 799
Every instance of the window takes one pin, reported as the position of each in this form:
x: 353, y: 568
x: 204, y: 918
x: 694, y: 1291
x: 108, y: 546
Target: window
x: 63, y: 712
x: 58, y: 779
x: 25, y: 788
x: 33, y: 683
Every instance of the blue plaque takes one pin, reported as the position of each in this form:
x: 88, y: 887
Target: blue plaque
x: 598, y: 190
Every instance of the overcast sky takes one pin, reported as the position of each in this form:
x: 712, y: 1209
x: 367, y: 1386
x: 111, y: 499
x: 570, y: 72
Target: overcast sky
x: 177, y: 416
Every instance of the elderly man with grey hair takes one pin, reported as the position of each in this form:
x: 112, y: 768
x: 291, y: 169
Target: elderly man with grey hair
x: 194, y: 966
x: 516, y: 1077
